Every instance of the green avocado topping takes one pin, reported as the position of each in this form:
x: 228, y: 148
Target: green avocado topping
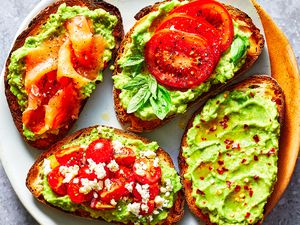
x: 121, y: 212
x: 139, y: 98
x: 231, y: 153
x: 103, y: 23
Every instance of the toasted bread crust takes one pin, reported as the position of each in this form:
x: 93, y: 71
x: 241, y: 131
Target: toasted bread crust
x: 32, y: 29
x: 135, y: 124
x: 175, y: 213
x: 252, y: 81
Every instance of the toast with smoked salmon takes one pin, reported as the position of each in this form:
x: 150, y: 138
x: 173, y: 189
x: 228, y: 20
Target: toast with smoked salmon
x: 54, y: 66
x: 177, y: 53
x: 107, y: 174
x: 232, y: 144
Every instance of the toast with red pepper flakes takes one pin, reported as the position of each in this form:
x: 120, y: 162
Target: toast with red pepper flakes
x: 98, y: 171
x: 250, y: 187
x: 50, y: 44
x: 139, y: 122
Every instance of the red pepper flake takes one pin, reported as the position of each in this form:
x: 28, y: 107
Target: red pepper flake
x: 244, y: 160
x: 256, y: 177
x: 251, y: 193
x: 222, y: 170
x: 220, y: 154
x: 246, y: 126
x: 228, y: 146
x: 228, y: 183
x: 237, y: 188
x: 256, y: 138
x: 197, y: 126
x: 247, y: 215
x: 224, y: 122
x: 228, y: 142
x: 252, y: 94
x: 214, y: 128
x: 276, y: 92
x: 255, y: 158
x: 221, y: 162
x: 202, y: 120
x: 210, y: 168
x: 228, y: 154
x: 246, y: 187
x: 271, y: 152
x: 218, y: 102
x: 199, y: 192
x: 201, y: 178
x: 203, y: 139
x: 236, y: 146
x: 277, y: 100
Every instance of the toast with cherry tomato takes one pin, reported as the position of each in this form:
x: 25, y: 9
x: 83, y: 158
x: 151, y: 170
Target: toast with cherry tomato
x: 107, y: 174
x: 242, y: 149
x: 177, y: 53
x: 55, y: 64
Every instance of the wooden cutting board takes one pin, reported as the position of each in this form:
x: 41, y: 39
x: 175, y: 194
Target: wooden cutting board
x: 284, y: 69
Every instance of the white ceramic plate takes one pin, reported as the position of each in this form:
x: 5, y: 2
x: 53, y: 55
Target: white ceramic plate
x: 17, y: 157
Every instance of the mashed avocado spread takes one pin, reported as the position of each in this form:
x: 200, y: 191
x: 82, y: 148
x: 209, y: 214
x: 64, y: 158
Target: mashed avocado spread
x: 121, y: 212
x: 132, y: 64
x: 231, y: 153
x: 103, y: 23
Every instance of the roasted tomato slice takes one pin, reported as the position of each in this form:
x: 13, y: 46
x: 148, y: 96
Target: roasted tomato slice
x: 191, y: 25
x: 178, y: 59
x: 55, y: 180
x: 216, y: 14
x: 115, y: 191
x: 70, y: 156
x: 145, y: 172
x: 150, y: 209
x: 74, y: 193
x: 125, y: 156
x: 100, y: 151
x: 153, y: 191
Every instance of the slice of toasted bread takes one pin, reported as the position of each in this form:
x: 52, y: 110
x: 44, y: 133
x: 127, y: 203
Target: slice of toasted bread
x: 33, y: 181
x: 132, y: 122
x: 33, y: 28
x: 274, y: 93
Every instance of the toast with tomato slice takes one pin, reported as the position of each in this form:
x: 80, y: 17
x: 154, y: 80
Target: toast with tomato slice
x: 139, y: 108
x: 55, y: 64
x: 101, y: 172
x: 238, y: 147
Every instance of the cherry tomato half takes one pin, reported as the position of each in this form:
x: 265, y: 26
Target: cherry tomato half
x: 150, y: 205
x: 55, y: 180
x: 145, y: 172
x: 84, y: 172
x: 75, y: 195
x: 153, y: 191
x: 100, y: 151
x: 116, y: 191
x: 178, y: 59
x: 70, y: 156
x: 125, y: 174
x: 215, y: 13
x: 125, y: 156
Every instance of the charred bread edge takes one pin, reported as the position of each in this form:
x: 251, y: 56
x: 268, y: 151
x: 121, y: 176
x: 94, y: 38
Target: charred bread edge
x: 254, y: 80
x: 32, y: 28
x: 175, y: 213
x: 129, y: 121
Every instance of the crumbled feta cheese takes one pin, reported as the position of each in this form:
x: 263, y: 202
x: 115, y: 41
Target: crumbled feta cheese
x: 148, y: 154
x: 95, y: 194
x: 89, y: 185
x: 143, y: 190
x: 97, y: 168
x: 113, y: 166
x: 140, y: 168
x: 113, y: 202
x: 107, y: 184
x: 155, y: 162
x: 155, y: 212
x: 159, y: 201
x: 76, y: 181
x: 167, y: 194
x: 68, y: 172
x: 169, y: 186
x: 134, y: 208
x: 166, y: 203
x: 150, y: 218
x: 47, y: 166
x: 145, y: 207
x: 121, y: 171
x: 129, y: 186
x: 117, y: 146
x: 163, y: 190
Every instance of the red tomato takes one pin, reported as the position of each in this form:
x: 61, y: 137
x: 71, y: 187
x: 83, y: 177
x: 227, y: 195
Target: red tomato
x: 151, y: 205
x: 153, y: 191
x: 116, y: 191
x: 191, y: 25
x: 100, y: 151
x: 100, y: 205
x: 216, y: 14
x: 125, y: 156
x: 55, y: 180
x: 178, y: 59
x: 75, y: 195
x: 84, y: 172
x: 70, y: 156
x: 125, y: 174
x: 149, y: 175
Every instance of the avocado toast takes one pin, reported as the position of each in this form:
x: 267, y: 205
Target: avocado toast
x: 228, y: 156
x: 55, y: 64
x: 144, y: 111
x: 108, y: 174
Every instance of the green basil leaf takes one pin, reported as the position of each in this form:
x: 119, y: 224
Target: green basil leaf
x: 162, y: 105
x: 152, y: 86
x: 133, y: 61
x: 136, y: 82
x: 137, y: 69
x: 139, y: 99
